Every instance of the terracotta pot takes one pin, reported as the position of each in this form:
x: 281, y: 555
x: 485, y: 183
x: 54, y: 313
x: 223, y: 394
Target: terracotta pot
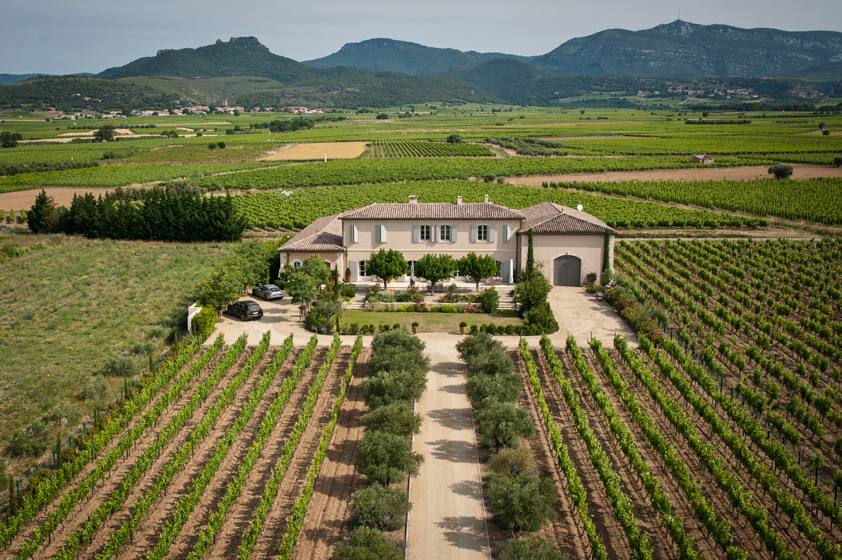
x: 414, y: 330
x: 463, y: 330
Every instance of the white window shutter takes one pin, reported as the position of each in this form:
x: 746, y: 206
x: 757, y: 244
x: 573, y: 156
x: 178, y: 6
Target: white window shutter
x: 354, y: 234
x: 380, y: 233
x: 435, y: 234
x: 355, y: 270
x: 473, y: 233
x: 383, y: 233
x: 416, y: 233
x: 491, y: 234
x: 507, y: 233
x: 453, y: 233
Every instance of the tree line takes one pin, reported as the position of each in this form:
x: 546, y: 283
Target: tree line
x: 160, y: 214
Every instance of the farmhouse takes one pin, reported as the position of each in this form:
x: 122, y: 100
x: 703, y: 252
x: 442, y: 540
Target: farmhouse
x: 567, y: 244
x: 701, y: 158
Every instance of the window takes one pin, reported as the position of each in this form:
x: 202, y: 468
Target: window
x: 425, y: 233
x: 380, y: 233
x: 296, y: 264
x: 444, y: 233
x: 362, y: 268
x: 482, y: 233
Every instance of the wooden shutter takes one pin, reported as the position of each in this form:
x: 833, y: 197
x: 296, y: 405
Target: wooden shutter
x: 453, y: 233
x: 473, y: 233
x: 491, y: 234
x: 416, y: 233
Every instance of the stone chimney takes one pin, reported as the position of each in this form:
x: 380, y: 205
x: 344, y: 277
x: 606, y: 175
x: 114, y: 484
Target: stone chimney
x: 413, y: 199
x: 459, y: 200
x: 486, y: 199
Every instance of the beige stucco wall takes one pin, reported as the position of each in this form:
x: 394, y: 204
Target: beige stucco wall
x: 546, y: 248
x: 399, y: 236
x: 332, y: 257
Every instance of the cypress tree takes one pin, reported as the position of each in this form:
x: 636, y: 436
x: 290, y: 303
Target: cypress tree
x: 530, y: 257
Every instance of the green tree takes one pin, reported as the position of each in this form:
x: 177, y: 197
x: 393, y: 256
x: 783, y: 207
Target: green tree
x: 316, y: 269
x: 221, y: 287
x: 475, y: 345
x: 387, y: 387
x: 454, y: 139
x: 9, y: 139
x: 380, y: 507
x: 477, y: 267
x: 367, y: 544
x: 510, y: 462
x: 105, y: 133
x: 485, y: 389
x: 500, y: 424
x: 300, y: 287
x: 43, y: 216
x: 532, y: 291
x: 781, y: 171
x: 435, y: 268
x: 387, y: 265
x: 529, y: 547
x: 395, y: 418
x: 837, y: 161
x: 530, y: 257
x: 524, y: 502
x: 386, y: 458
x: 251, y: 259
x: 489, y: 299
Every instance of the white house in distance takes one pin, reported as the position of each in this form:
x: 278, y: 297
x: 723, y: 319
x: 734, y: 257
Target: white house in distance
x: 567, y: 244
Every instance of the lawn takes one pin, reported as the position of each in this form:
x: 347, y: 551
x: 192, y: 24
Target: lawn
x: 68, y: 303
x: 429, y: 322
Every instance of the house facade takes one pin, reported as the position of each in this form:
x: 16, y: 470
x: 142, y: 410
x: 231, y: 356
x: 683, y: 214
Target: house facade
x: 567, y: 244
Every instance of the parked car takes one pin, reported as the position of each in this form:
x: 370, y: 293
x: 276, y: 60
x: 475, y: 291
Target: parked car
x: 245, y: 310
x: 268, y: 291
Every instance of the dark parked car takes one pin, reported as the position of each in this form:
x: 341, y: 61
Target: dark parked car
x: 245, y: 310
x: 268, y: 291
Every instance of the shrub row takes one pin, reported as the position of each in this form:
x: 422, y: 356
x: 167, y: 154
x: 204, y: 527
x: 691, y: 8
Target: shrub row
x: 397, y: 376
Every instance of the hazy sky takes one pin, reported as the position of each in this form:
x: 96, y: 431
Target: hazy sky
x: 67, y: 36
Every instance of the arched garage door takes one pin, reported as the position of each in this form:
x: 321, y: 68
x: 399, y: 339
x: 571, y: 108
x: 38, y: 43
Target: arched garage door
x: 567, y: 271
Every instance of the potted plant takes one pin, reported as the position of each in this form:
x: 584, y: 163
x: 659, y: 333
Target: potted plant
x: 463, y: 327
x: 415, y: 327
x: 348, y: 275
x: 591, y: 278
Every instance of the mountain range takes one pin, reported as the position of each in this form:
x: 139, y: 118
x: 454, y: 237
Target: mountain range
x: 386, y: 72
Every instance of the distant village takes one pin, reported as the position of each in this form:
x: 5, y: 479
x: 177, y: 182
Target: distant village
x: 193, y: 110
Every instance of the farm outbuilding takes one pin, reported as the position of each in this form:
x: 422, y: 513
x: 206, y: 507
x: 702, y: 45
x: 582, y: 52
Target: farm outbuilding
x: 701, y: 158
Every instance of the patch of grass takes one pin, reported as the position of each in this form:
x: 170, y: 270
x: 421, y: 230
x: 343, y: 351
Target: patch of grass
x: 429, y: 322
x: 65, y: 308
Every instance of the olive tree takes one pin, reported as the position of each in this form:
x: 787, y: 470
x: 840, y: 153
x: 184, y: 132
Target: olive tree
x: 387, y: 265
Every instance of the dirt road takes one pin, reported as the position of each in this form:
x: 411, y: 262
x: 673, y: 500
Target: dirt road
x: 447, y: 519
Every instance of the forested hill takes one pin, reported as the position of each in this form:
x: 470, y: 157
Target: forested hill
x: 401, y: 56
x: 681, y: 49
x: 673, y: 50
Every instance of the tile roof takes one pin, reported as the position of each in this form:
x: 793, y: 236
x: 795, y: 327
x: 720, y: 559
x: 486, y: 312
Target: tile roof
x: 549, y: 217
x: 324, y: 234
x: 432, y: 211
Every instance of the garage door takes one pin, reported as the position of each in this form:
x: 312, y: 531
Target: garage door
x: 568, y: 271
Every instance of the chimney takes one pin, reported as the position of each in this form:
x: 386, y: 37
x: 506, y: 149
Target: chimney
x: 459, y: 200
x: 486, y: 199
x: 413, y: 199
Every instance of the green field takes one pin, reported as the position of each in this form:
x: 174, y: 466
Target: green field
x: 67, y: 304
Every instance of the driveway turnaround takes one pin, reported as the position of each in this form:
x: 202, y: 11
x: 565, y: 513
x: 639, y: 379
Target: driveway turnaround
x: 582, y: 315
x: 447, y: 519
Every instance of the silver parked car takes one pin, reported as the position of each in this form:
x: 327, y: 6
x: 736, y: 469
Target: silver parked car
x: 268, y: 291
